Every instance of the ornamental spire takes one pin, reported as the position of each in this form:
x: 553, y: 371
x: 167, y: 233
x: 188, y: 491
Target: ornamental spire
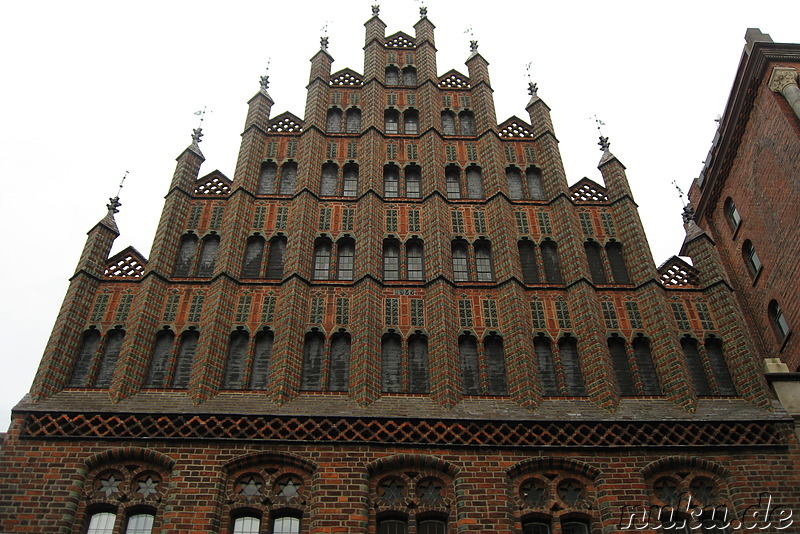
x: 376, y: 9
x: 264, y: 80
x: 113, y: 202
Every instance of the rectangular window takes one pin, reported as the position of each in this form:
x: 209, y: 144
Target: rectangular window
x: 99, y: 310
x: 342, y: 310
x: 216, y: 217
x: 544, y: 223
x: 634, y: 316
x: 331, y: 153
x: 451, y: 153
x: 196, y: 308
x: 472, y: 152
x: 609, y: 315
x: 325, y: 219
x: 282, y: 217
x: 413, y: 221
x: 522, y: 222
x: 243, y: 308
x: 479, y: 220
x: 391, y: 220
x: 194, y: 216
x: 317, y: 309
x: 511, y: 154
x: 562, y: 314
x: 392, y: 309
x: 608, y: 223
x: 465, y: 313
x: 171, y: 308
x: 457, y: 218
x: 417, y: 312
x: 537, y: 314
x: 490, y: 313
x: 705, y: 315
x: 679, y: 312
x: 347, y: 219
x: 586, y: 223
x: 259, y: 217
x: 268, y: 309
x: 124, y: 308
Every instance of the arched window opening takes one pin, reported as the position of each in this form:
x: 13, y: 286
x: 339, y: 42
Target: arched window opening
x: 546, y: 366
x: 247, y: 525
x: 162, y: 349
x: 514, y: 179
x: 474, y: 182
x: 208, y: 257
x: 413, y: 181
x: 527, y: 257
x: 186, y: 252
x: 535, y: 188
x: 448, y: 123
x: 622, y: 367
x: 312, y: 362
x: 286, y: 525
x: 339, y: 375
x: 415, y: 260
x: 453, y: 181
x: 409, y: 76
x: 391, y: 120
x: 353, y: 120
x: 552, y: 265
x: 141, y: 523
x: 391, y: 181
x: 277, y: 250
x: 495, y: 366
x: 266, y: 180
x: 288, y: 178
x: 327, y: 186
x: 716, y: 360
x: 334, y: 122
x: 261, y: 360
x: 234, y: 366
x: 350, y: 180
x: 253, y: 256
x: 391, y: 260
x: 647, y: 368
x: 109, y: 360
x: 346, y: 254
x: 571, y: 363
x: 574, y: 527
x: 418, y: 364
x: 778, y: 320
x: 470, y: 373
x: 392, y: 76
x: 322, y: 259
x: 460, y: 263
x: 102, y: 523
x: 732, y: 214
x: 617, y: 262
x: 751, y: 258
x: 467, y: 121
x: 695, y: 365
x: 595, y: 259
x: 183, y: 367
x: 411, y: 122
x: 483, y: 261
x: 392, y: 526
x: 391, y: 361
x: 535, y: 527
x: 431, y: 526
x: 86, y: 355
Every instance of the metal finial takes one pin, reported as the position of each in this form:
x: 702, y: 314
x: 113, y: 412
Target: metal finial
x: 197, y: 133
x: 688, y: 214
x: 680, y: 192
x: 323, y: 43
x: 473, y: 46
x: 604, y: 142
x: 375, y: 10
x: 265, y: 78
x: 532, y: 88
x: 423, y: 11
x: 113, y: 202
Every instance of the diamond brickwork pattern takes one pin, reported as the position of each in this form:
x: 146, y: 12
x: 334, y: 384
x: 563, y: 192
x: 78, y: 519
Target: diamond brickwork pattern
x: 406, y: 431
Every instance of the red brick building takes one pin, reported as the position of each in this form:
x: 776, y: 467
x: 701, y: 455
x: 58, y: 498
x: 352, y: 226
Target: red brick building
x: 397, y: 317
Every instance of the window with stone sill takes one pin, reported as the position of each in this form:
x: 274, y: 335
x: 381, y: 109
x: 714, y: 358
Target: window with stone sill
x: 751, y: 259
x: 779, y: 323
x: 732, y: 214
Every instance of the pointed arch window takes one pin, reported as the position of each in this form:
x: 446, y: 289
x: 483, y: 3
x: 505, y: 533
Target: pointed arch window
x: 595, y: 259
x: 534, y: 177
x: 546, y: 366
x: 253, y: 256
x: 695, y: 365
x: 391, y: 361
x: 514, y: 179
x: 413, y: 176
x: 474, y: 182
x: 312, y: 362
x: 467, y: 121
x: 266, y: 180
x: 411, y: 122
x: 277, y: 250
x: 495, y: 366
x: 460, y: 262
x: 716, y: 360
x: 234, y: 366
x: 527, y: 256
x: 453, y: 182
x: 392, y: 76
x: 448, y: 123
x: 86, y: 355
x: 391, y: 181
x: 186, y: 252
x: 346, y: 250
x: 646, y: 366
x: 183, y: 366
x: 409, y: 76
x: 616, y: 260
x: 391, y: 121
x: 350, y: 180
x: 470, y: 374
x: 353, y: 120
x: 322, y: 259
x: 418, y: 364
x: 571, y: 363
x: 208, y: 256
x: 327, y: 186
x: 113, y: 344
x: 261, y: 360
x: 391, y: 260
x: 483, y: 261
x: 732, y: 214
x: 288, y: 178
x: 622, y: 367
x: 334, y: 122
x: 751, y: 258
x: 415, y: 260
x: 779, y: 323
x: 339, y: 375
x: 552, y: 265
x: 162, y: 349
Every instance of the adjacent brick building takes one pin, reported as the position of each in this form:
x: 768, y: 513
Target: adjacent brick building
x: 396, y: 317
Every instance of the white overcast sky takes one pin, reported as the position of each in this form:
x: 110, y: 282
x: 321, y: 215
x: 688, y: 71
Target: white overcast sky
x: 93, y: 89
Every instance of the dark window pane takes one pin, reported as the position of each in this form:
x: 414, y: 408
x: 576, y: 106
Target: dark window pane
x: 647, y: 369
x: 527, y: 257
x: 339, y: 375
x: 595, y: 260
x: 277, y: 248
x: 496, y: 367
x: 390, y: 364
x: 546, y: 365
x: 261, y: 359
x: 719, y: 367
x: 622, y: 368
x: 617, y: 262
x: 695, y: 365
x: 252, y: 258
x: 514, y: 184
x: 552, y: 266
x: 158, y: 362
x: 568, y: 350
x: 534, y: 177
x: 234, y: 367
x: 183, y: 368
x: 328, y: 182
x: 209, y: 256
x: 110, y: 357
x: 312, y: 362
x: 288, y: 177
x: 418, y: 365
x: 266, y: 180
x: 88, y: 350
x: 186, y: 251
x: 474, y: 183
x: 470, y: 377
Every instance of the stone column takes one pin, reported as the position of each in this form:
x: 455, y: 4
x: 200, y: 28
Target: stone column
x: 784, y: 81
